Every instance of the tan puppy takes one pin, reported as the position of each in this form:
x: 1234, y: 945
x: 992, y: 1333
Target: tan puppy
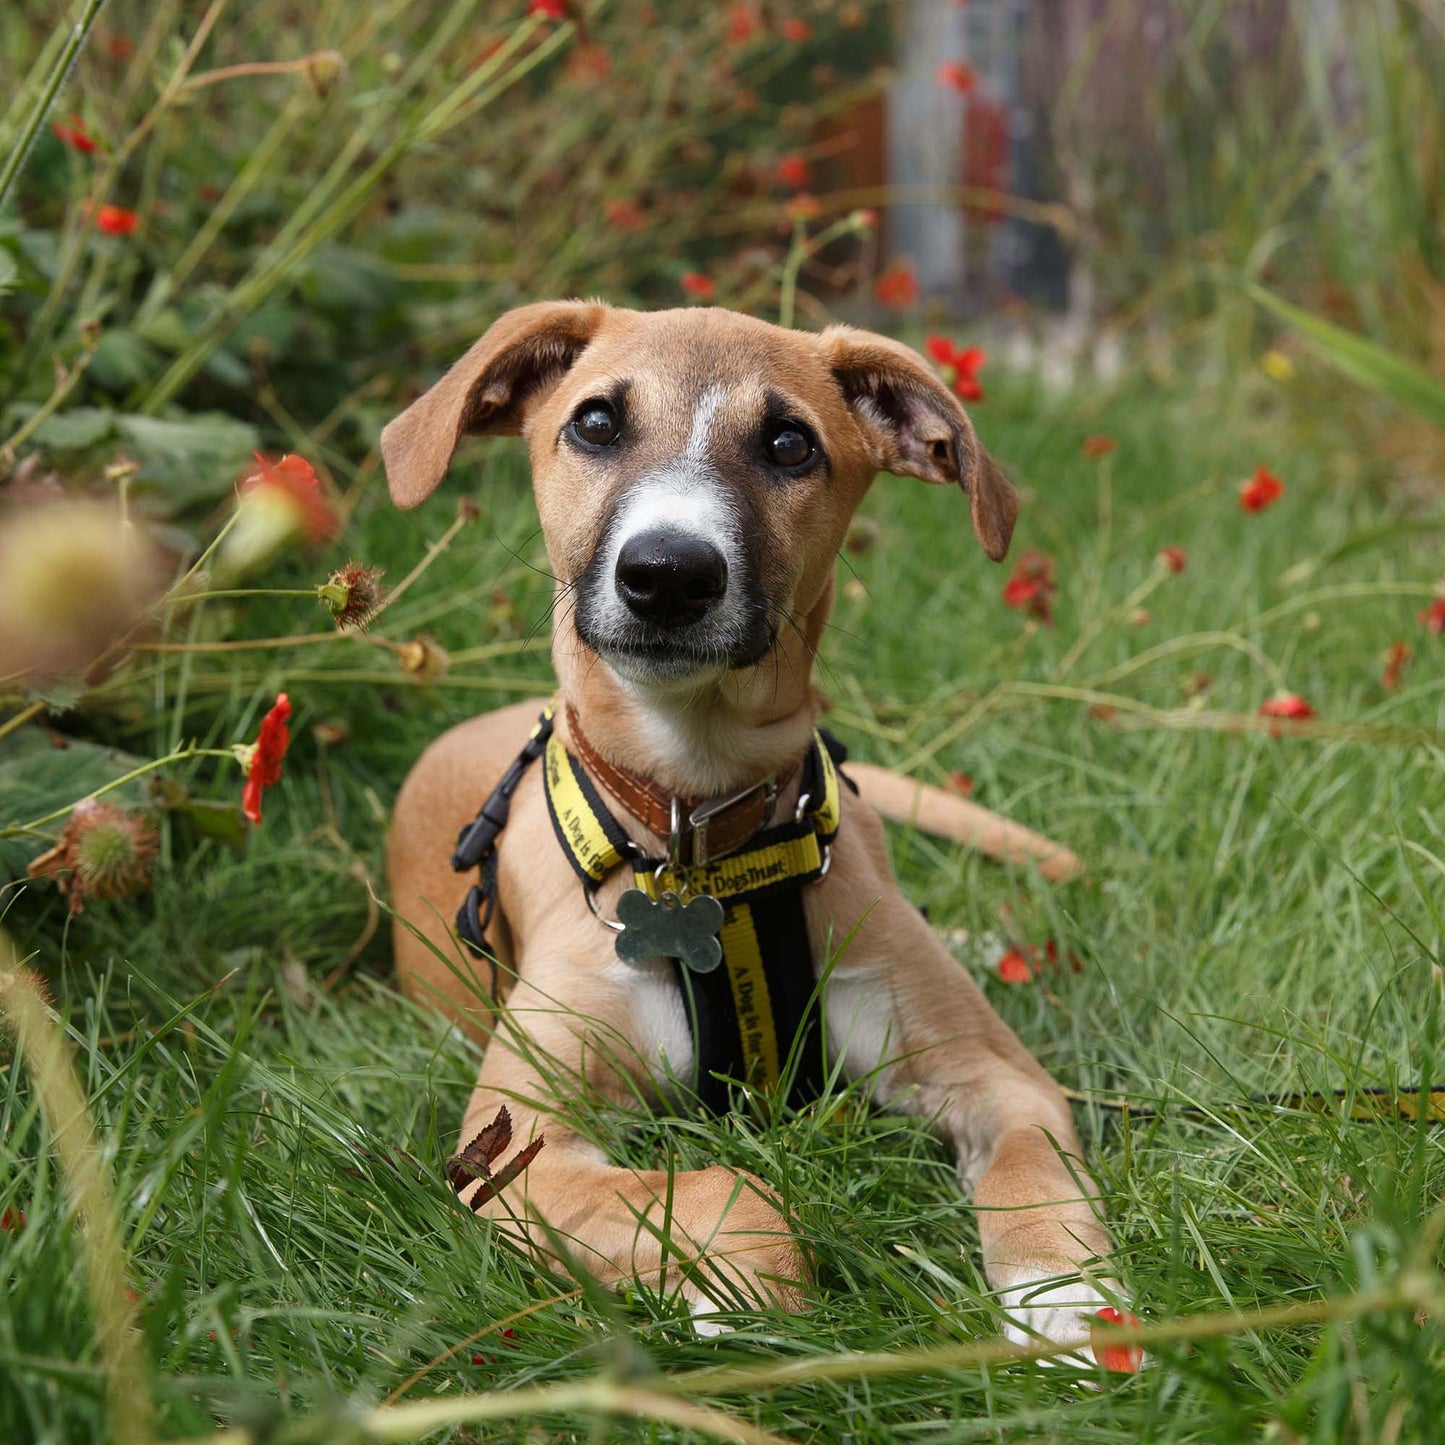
x: 695, y: 472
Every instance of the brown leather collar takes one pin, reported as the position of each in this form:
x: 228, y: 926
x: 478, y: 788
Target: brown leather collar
x: 710, y: 828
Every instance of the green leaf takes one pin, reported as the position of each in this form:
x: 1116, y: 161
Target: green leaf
x: 76, y: 429
x: 166, y: 329
x: 1362, y: 361
x: 123, y: 360
x: 346, y: 282
x: 191, y: 459
x: 37, y: 777
x: 9, y: 270
x: 209, y: 817
x: 60, y: 694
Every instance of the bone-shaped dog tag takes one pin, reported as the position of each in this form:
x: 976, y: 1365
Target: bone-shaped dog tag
x: 670, y: 928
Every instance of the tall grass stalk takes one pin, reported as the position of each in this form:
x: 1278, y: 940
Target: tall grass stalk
x: 41, y: 1049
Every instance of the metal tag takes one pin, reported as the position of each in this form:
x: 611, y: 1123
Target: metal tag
x: 670, y: 928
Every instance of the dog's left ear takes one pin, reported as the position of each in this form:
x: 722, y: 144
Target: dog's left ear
x: 918, y: 427
x: 486, y: 392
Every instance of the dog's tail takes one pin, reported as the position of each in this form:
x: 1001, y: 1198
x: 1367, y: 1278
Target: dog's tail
x: 905, y: 800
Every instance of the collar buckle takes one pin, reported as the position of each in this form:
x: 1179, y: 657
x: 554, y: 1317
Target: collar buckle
x: 702, y: 817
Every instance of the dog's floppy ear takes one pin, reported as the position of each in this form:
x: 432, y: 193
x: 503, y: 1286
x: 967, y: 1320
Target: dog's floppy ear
x: 483, y: 394
x: 918, y: 427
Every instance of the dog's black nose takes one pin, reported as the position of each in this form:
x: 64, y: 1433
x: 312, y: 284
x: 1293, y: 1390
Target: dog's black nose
x: 670, y: 580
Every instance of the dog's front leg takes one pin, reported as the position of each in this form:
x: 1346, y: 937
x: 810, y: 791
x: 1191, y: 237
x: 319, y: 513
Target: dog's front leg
x: 715, y: 1234
x: 902, y: 1012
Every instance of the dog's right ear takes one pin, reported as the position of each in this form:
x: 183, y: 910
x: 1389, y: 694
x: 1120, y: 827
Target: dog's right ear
x: 484, y: 394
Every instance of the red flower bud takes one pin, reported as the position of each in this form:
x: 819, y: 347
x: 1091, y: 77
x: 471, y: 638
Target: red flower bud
x: 1262, y: 490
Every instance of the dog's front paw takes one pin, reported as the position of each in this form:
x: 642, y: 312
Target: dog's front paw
x: 1050, y: 1310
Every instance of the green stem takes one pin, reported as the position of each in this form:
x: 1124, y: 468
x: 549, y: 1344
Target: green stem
x: 788, y: 286
x: 185, y: 597
x: 432, y: 553
x: 47, y: 408
x: 21, y: 149
x: 179, y: 755
x: 420, y: 130
x: 1414, y: 1290
x: 1090, y: 634
x: 79, y: 227
x: 40, y: 1043
x: 21, y: 718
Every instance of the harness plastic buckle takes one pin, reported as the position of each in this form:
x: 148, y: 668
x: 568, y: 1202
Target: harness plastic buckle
x: 480, y: 834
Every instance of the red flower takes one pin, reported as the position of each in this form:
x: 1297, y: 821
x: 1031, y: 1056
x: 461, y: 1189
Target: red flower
x: 959, y: 783
x: 1098, y: 446
x: 1285, y: 705
x: 743, y: 24
x: 1174, y: 558
x: 12, y: 1221
x: 897, y: 287
x: 698, y: 286
x: 1032, y: 586
x: 1022, y: 964
x: 1434, y: 616
x: 548, y: 9
x: 956, y: 76
x: 625, y: 215
x: 1262, y: 490
x: 1396, y: 660
x: 113, y: 220
x: 75, y: 135
x: 796, y: 30
x: 793, y: 172
x: 958, y: 365
x: 1015, y: 966
x: 120, y: 47
x: 263, y: 761
x: 1119, y: 1356
x: 293, y: 481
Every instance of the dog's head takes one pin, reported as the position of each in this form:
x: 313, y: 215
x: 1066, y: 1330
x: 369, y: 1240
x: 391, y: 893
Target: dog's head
x: 695, y: 470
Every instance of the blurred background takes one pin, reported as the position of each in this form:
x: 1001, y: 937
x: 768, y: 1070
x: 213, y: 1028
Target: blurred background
x: 291, y: 215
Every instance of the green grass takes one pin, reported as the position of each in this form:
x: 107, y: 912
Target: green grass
x: 1263, y: 914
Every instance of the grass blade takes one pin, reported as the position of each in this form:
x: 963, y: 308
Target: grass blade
x: 1361, y: 360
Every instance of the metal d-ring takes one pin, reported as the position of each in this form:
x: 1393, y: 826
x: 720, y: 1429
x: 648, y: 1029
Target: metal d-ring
x: 590, y: 894
x: 674, y: 835
x: 803, y: 800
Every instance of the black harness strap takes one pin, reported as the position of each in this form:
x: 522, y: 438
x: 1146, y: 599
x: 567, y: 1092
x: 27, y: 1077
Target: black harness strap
x: 477, y: 847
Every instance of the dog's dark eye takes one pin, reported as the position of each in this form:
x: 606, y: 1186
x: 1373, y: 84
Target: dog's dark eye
x: 790, y: 445
x: 596, y: 424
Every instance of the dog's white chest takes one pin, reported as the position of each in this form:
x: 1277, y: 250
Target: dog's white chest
x: 659, y: 1019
